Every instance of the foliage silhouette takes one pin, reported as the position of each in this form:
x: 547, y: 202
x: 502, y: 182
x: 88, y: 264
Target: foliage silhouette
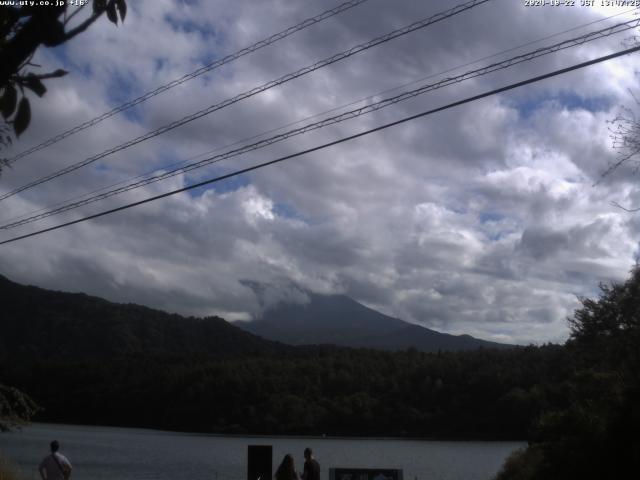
x: 23, y: 29
x: 593, y: 433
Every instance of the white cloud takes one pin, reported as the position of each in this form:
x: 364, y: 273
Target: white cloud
x: 481, y: 219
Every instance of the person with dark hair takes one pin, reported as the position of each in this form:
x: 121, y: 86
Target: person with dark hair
x: 55, y: 466
x: 311, y: 466
x: 286, y: 470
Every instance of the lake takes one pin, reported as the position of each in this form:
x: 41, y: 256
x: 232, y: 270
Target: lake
x: 106, y: 453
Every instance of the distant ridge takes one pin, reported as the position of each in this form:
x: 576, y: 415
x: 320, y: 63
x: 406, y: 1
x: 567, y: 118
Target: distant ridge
x: 340, y: 320
x: 44, y: 324
x: 41, y: 323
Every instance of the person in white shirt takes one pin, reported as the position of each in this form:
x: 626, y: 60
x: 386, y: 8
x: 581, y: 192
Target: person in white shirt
x: 55, y: 466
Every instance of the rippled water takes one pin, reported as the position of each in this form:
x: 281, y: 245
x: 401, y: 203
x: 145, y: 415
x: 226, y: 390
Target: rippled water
x: 104, y: 453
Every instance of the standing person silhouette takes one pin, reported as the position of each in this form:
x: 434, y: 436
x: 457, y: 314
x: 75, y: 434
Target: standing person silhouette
x: 311, y: 466
x: 55, y: 466
x: 286, y: 470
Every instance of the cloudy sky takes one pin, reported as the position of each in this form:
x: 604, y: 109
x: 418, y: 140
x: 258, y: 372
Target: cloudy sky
x: 482, y: 219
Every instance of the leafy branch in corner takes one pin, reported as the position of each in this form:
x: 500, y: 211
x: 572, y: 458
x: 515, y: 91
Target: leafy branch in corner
x: 22, y: 30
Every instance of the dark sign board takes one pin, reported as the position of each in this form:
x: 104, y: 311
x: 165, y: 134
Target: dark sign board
x: 365, y: 474
x: 259, y: 462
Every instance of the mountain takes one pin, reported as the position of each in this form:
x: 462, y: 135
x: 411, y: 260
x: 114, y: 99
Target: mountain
x: 340, y: 320
x: 45, y: 324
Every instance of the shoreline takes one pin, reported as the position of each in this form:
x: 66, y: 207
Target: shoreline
x: 284, y: 436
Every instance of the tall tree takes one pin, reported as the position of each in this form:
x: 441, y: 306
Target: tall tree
x: 594, y: 435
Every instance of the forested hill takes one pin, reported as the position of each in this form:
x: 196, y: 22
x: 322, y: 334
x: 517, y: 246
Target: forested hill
x: 39, y: 323
x: 340, y: 320
x: 86, y: 360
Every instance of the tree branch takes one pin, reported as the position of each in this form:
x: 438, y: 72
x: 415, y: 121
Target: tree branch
x: 87, y: 23
x: 77, y: 10
x: 43, y: 76
x: 613, y: 167
x: 628, y: 210
x: 24, y: 43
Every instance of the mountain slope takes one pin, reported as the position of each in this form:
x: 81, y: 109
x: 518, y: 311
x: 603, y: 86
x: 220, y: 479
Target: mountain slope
x: 340, y: 320
x: 45, y: 324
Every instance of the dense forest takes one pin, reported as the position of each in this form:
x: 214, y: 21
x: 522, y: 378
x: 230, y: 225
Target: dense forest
x: 577, y: 404
x: 324, y: 390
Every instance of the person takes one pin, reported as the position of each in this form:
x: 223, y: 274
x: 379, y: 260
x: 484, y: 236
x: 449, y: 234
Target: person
x: 311, y: 466
x: 55, y: 466
x: 286, y: 470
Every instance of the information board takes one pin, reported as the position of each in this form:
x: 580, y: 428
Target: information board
x: 365, y: 474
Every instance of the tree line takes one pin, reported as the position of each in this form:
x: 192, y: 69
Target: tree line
x: 314, y: 390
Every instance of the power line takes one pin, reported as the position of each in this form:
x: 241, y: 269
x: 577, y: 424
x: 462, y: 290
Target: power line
x: 338, y: 118
x: 618, y: 28
x: 32, y: 213
x: 189, y: 76
x: 274, y: 83
x: 335, y: 142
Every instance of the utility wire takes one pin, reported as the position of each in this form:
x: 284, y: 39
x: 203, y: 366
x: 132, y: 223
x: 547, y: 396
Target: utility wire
x: 316, y: 115
x: 196, y: 73
x: 621, y: 27
x: 274, y: 83
x: 335, y: 142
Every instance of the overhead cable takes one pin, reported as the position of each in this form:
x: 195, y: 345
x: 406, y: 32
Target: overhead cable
x: 329, y: 144
x: 266, y: 86
x: 588, y: 37
x: 189, y: 76
x: 310, y: 117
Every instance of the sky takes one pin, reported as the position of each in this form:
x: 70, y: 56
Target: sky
x: 490, y: 219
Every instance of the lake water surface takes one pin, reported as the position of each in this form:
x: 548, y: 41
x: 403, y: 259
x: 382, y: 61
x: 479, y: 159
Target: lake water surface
x: 105, y: 453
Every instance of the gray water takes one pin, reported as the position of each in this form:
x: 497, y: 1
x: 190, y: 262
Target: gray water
x: 105, y: 453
